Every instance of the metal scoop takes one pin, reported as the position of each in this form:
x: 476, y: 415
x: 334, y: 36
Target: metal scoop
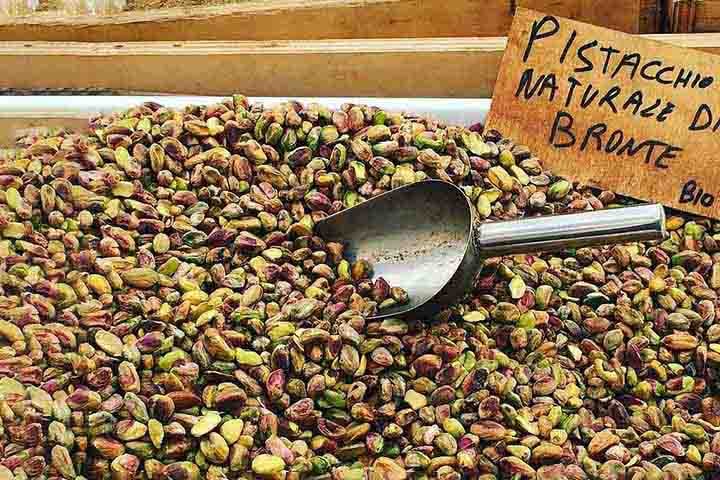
x: 428, y: 239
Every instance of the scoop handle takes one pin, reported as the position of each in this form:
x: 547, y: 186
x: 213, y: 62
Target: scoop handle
x: 571, y: 230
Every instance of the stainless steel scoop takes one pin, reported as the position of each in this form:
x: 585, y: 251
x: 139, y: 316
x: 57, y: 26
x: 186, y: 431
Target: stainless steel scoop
x: 428, y: 239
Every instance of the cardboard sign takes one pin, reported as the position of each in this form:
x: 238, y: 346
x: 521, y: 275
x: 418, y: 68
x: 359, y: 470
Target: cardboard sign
x: 635, y: 116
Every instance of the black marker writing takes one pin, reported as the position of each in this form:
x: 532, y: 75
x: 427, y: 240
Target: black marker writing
x: 690, y: 193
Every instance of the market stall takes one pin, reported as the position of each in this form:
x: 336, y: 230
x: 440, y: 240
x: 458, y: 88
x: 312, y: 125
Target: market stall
x: 359, y: 240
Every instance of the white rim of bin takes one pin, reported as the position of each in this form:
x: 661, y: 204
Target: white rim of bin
x: 461, y: 111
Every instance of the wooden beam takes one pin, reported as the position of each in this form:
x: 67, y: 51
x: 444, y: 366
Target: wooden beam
x: 442, y: 67
x: 314, y: 20
x: 388, y: 68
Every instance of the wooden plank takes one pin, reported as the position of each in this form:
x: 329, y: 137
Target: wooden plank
x: 444, y: 67
x: 314, y: 20
x: 389, y: 68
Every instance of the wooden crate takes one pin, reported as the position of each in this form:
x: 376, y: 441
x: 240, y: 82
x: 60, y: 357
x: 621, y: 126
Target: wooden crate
x: 440, y: 67
x: 316, y: 20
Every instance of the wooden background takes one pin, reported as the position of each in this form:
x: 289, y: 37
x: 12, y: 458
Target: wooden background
x: 438, y: 67
x: 180, y: 20
x: 321, y: 19
x: 435, y: 48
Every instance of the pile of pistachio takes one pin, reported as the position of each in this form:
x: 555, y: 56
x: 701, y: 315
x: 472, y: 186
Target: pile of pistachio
x: 167, y: 313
